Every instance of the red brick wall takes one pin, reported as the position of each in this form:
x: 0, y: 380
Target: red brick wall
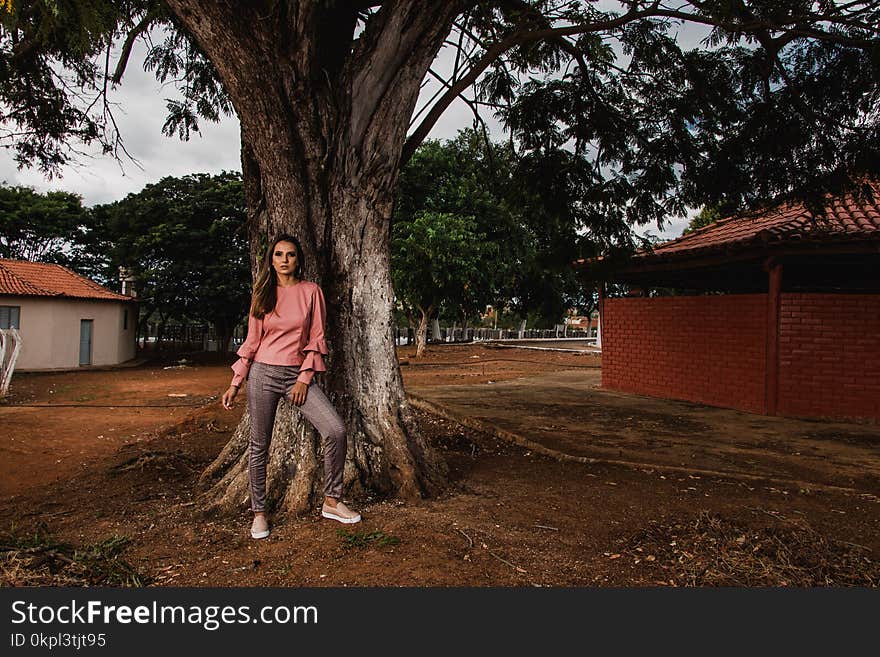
x: 829, y: 355
x: 707, y: 349
x: 712, y: 350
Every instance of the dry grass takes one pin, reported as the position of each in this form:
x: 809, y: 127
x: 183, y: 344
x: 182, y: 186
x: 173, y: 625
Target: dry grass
x: 715, y: 551
x: 35, y: 559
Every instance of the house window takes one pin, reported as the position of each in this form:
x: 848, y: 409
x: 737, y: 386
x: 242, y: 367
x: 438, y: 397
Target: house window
x: 9, y: 316
x: 124, y: 320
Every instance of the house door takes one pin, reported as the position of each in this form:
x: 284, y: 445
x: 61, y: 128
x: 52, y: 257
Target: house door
x: 85, y: 342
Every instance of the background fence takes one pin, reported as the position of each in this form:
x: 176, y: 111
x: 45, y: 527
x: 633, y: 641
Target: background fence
x: 203, y: 337
x: 406, y: 335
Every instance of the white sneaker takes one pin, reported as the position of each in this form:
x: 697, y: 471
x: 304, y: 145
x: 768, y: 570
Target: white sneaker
x: 341, y: 513
x: 260, y: 527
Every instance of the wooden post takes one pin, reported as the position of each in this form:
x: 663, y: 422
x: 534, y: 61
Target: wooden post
x: 771, y: 381
x: 601, y: 290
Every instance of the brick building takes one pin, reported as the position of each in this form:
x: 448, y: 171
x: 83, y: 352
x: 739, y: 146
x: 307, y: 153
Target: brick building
x: 776, y: 313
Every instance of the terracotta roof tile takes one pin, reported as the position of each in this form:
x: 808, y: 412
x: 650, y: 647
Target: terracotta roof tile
x: 846, y: 218
x: 22, y: 277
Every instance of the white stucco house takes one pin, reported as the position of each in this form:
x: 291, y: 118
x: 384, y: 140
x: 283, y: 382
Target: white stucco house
x: 65, y: 320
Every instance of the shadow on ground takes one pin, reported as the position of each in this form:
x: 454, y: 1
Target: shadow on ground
x: 566, y: 414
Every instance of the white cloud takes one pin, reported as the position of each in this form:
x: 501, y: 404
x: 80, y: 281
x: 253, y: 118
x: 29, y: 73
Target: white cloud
x: 673, y: 227
x: 140, y: 112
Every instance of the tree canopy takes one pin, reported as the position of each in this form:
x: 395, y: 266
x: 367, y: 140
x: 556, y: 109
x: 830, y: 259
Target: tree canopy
x: 39, y: 227
x: 456, y: 243
x: 437, y: 257
x: 780, y: 98
x: 474, y: 225
x: 707, y: 216
x: 183, y: 240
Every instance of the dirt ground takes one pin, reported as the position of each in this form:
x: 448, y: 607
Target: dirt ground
x: 93, y: 470
x: 566, y: 414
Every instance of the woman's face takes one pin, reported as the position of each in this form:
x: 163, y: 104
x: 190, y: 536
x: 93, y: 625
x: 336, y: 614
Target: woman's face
x: 284, y: 258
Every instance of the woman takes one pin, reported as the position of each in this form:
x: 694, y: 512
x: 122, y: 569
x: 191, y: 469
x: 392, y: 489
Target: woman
x: 284, y: 348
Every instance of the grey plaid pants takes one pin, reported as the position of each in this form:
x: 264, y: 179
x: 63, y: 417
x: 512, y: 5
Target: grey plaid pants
x: 265, y: 386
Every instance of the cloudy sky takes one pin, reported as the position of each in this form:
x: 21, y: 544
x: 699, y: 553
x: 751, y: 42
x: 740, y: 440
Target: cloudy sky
x: 140, y: 114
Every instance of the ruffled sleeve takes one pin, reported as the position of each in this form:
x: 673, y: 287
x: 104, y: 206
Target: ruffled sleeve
x: 316, y: 348
x: 247, y: 350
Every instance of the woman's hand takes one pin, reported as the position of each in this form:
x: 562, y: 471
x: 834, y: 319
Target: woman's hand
x: 228, y: 397
x: 299, y: 392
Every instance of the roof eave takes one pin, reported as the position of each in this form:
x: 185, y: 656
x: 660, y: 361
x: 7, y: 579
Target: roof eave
x: 730, y: 253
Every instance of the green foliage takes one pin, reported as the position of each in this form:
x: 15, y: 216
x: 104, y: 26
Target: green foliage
x: 38, y: 227
x: 436, y: 257
x: 361, y: 539
x: 477, y: 225
x: 553, y: 188
x: 749, y: 116
x: 178, y: 57
x: 48, y: 71
x: 184, y: 241
x: 54, y: 76
x: 453, y: 237
x: 705, y: 217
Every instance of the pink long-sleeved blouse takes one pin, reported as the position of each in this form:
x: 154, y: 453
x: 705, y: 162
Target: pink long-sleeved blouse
x: 292, y: 334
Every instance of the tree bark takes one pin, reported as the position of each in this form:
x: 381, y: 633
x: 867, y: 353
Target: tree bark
x: 323, y: 126
x: 422, y: 332
x: 386, y: 454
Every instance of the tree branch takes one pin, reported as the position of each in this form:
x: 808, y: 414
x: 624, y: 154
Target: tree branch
x: 800, y: 26
x: 470, y: 103
x: 653, y: 10
x: 136, y: 31
x: 391, y: 59
x: 493, y: 53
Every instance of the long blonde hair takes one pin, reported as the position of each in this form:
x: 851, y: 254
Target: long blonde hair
x: 264, y: 296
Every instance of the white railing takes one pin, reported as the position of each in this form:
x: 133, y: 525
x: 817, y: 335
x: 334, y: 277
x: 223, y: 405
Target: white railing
x: 10, y: 346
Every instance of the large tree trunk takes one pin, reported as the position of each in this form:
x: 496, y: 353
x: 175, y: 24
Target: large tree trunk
x: 322, y: 135
x: 386, y: 454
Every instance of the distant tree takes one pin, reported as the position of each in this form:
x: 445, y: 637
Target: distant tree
x: 552, y: 188
x: 705, y: 217
x: 463, y: 185
x: 183, y: 239
x: 586, y: 302
x: 437, y: 256
x: 529, y: 211
x: 39, y: 227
